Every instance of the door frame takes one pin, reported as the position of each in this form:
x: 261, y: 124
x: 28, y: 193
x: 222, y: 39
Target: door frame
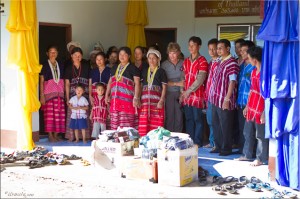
x: 67, y: 26
x: 163, y: 29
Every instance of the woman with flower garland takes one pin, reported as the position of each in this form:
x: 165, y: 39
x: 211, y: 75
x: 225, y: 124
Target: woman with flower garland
x: 154, y: 88
x: 123, y: 91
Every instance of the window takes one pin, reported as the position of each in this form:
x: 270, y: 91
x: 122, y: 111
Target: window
x: 233, y: 32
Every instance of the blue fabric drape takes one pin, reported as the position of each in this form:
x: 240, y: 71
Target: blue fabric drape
x: 280, y: 85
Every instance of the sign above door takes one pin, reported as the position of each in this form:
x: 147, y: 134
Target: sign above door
x: 226, y: 8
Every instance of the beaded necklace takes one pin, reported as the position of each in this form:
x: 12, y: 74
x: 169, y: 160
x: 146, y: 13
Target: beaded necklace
x: 75, y: 75
x: 150, y: 76
x: 120, y: 71
x: 55, y: 71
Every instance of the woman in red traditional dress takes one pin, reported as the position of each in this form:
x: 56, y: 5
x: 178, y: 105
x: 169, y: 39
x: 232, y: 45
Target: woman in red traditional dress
x: 154, y: 88
x: 52, y: 95
x: 123, y: 91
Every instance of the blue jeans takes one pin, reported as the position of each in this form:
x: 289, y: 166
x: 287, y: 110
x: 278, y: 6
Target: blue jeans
x: 209, y: 122
x: 194, y: 123
x: 254, y: 131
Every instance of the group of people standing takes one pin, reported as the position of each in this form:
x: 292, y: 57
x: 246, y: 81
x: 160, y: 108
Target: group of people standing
x: 149, y: 93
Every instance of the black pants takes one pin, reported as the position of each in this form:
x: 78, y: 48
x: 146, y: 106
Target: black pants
x: 241, y: 120
x: 173, y: 112
x: 222, y: 128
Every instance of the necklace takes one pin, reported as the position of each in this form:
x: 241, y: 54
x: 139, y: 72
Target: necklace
x: 120, y: 71
x: 55, y: 71
x: 75, y: 75
x: 150, y: 76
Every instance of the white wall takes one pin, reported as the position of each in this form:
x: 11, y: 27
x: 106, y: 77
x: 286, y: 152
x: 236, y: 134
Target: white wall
x: 91, y: 21
x: 9, y: 97
x: 180, y: 15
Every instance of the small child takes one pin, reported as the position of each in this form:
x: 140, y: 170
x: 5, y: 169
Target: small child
x: 79, y: 105
x: 99, y: 111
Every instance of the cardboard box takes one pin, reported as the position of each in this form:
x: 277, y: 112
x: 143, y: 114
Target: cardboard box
x: 179, y: 167
x: 138, y: 168
x: 112, y: 148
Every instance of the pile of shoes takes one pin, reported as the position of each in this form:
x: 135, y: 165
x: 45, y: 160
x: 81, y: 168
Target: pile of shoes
x: 230, y: 184
x: 38, y: 157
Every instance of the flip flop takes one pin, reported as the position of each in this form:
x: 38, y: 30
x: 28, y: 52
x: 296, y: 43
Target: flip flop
x: 230, y: 189
x: 277, y: 194
x: 288, y: 194
x: 254, y: 180
x: 217, y: 180
x: 244, y: 180
x: 229, y: 179
x: 202, y: 180
x: 219, y: 189
x: 35, y: 164
x: 74, y: 157
x: 266, y: 186
x: 238, y: 185
x: 253, y: 187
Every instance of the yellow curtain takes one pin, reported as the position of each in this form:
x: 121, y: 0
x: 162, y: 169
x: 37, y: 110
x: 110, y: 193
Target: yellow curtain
x: 23, y: 53
x: 136, y: 19
x: 232, y: 36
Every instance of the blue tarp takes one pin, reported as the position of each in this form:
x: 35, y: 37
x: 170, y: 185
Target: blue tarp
x: 280, y: 85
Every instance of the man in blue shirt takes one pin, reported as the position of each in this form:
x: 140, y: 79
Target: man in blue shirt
x: 243, y: 89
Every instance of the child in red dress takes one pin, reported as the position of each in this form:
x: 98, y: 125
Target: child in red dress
x: 99, y: 111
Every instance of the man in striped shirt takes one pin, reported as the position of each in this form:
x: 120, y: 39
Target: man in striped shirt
x: 223, y: 97
x: 195, y: 69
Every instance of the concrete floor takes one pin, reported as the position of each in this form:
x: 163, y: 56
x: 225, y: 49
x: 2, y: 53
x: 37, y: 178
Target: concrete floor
x: 76, y: 180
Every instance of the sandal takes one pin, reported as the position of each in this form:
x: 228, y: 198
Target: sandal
x: 230, y: 189
x: 288, y: 194
x: 254, y: 180
x: 244, y: 180
x: 277, y: 194
x: 35, y: 164
x: 219, y: 189
x: 253, y: 187
x: 238, y: 185
x: 74, y: 157
x: 266, y: 186
x: 203, y: 180
x: 230, y: 179
x: 218, y: 180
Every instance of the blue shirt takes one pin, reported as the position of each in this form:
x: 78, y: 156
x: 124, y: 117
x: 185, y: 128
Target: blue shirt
x: 97, y: 77
x: 244, y: 84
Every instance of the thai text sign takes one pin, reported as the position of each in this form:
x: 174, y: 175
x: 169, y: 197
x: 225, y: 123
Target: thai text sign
x: 227, y: 8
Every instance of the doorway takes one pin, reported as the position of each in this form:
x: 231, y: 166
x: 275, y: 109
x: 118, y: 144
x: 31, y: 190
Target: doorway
x: 161, y: 37
x: 53, y: 34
